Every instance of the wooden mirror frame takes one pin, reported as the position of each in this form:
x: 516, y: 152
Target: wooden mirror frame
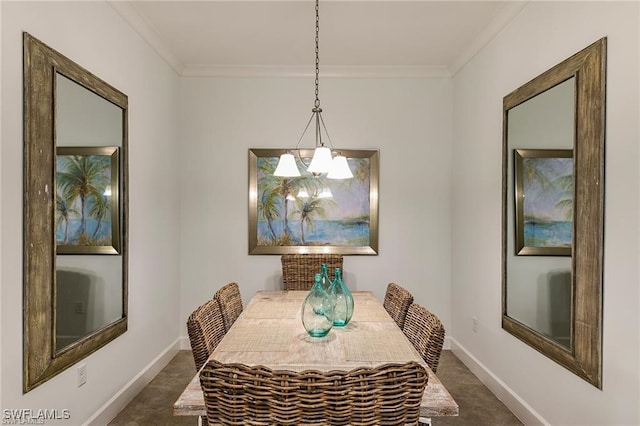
x: 40, y: 359
x: 585, y: 356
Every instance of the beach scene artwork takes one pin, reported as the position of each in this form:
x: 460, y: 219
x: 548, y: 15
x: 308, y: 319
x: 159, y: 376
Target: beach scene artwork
x: 313, y: 210
x: 84, y: 205
x: 547, y: 205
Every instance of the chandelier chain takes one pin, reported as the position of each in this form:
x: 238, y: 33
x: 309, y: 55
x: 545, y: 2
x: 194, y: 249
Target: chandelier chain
x: 323, y: 160
x: 317, y: 82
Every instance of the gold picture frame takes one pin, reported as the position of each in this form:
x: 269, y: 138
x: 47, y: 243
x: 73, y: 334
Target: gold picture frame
x: 283, y: 220
x: 543, y: 192
x: 87, y: 195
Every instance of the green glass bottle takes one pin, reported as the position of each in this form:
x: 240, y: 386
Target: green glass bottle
x: 342, y: 300
x: 326, y: 281
x: 317, y: 310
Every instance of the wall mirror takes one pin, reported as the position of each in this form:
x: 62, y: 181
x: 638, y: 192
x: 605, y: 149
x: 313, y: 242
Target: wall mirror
x: 75, y: 213
x: 553, y: 212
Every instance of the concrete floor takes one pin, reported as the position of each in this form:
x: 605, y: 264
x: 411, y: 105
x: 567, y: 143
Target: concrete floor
x: 153, y: 406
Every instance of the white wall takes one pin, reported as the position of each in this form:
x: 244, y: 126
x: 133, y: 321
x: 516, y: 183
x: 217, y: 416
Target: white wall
x: 95, y: 36
x: 544, y: 34
x: 409, y: 121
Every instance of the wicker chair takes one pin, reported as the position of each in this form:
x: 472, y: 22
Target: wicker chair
x: 230, y: 303
x: 206, y: 329
x: 299, y: 270
x: 237, y: 394
x: 425, y: 331
x: 397, y: 301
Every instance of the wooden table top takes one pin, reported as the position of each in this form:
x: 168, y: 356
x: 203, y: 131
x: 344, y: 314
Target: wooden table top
x: 269, y: 332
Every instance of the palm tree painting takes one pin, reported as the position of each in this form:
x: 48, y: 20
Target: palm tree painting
x: 544, y: 200
x: 86, y: 200
x: 312, y: 213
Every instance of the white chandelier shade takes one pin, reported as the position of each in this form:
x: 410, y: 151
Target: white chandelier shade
x: 321, y: 161
x: 340, y: 168
x: 287, y: 166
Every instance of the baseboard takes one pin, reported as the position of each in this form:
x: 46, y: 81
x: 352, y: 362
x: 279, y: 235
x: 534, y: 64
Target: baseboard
x: 447, y: 343
x: 185, y: 345
x: 112, y: 408
x: 504, y: 393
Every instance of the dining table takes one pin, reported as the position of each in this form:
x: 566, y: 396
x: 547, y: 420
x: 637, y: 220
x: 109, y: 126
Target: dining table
x: 269, y: 332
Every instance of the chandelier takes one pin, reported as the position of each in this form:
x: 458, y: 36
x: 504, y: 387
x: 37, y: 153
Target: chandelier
x: 323, y: 160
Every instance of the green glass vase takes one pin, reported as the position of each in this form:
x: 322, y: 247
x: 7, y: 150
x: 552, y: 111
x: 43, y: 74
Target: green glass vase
x: 317, y: 310
x: 342, y: 299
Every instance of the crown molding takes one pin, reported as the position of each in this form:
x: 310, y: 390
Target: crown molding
x: 326, y: 71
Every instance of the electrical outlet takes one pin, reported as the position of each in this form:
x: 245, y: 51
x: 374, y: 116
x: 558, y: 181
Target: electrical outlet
x: 475, y: 324
x: 82, y: 374
x: 79, y: 308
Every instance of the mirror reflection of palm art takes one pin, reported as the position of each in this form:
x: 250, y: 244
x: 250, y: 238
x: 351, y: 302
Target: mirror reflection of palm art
x: 86, y: 210
x: 544, y: 201
x: 313, y: 212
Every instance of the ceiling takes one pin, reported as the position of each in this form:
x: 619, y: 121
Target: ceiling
x: 357, y: 37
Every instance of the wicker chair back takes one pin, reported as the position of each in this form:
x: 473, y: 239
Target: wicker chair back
x: 397, y: 300
x: 237, y: 394
x: 230, y: 303
x: 206, y: 329
x: 299, y: 270
x: 425, y: 331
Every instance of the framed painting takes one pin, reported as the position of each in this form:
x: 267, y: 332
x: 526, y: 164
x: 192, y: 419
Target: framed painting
x: 87, y: 208
x: 543, y: 201
x: 313, y: 214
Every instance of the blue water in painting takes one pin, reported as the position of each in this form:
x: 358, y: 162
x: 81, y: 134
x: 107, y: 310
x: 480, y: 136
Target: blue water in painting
x: 548, y: 234
x: 74, y: 230
x: 331, y: 232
